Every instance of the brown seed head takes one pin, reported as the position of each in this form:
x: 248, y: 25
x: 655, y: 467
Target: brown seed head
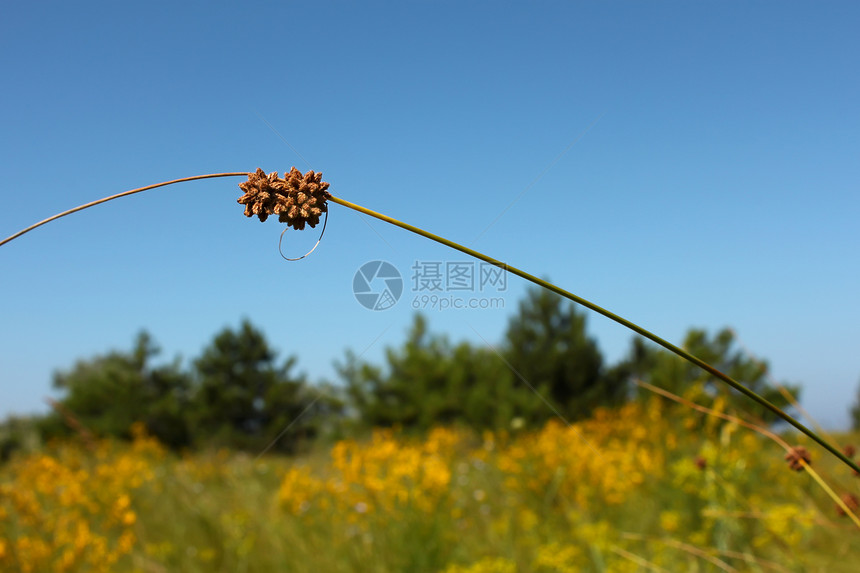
x: 261, y: 192
x: 795, y: 456
x: 701, y: 462
x: 849, y: 451
x: 851, y: 502
x: 296, y: 199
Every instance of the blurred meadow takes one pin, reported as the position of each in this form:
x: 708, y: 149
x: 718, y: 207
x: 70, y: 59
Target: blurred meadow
x: 646, y: 487
x: 686, y: 165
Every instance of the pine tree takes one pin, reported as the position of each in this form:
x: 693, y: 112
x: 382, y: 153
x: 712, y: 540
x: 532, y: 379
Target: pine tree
x: 108, y: 393
x: 548, y: 349
x: 664, y: 369
x: 244, y: 399
x: 427, y: 382
x: 855, y: 413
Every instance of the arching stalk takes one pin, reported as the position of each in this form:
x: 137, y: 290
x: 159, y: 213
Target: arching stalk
x: 529, y: 277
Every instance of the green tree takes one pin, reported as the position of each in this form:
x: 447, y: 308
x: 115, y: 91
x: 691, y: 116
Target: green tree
x: 429, y: 381
x: 546, y: 357
x: 108, y: 393
x: 855, y: 412
x: 18, y: 433
x: 664, y: 369
x: 547, y: 346
x: 413, y: 391
x: 243, y: 398
x: 493, y: 397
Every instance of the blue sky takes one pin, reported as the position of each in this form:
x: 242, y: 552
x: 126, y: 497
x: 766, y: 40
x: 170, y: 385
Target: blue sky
x: 680, y: 163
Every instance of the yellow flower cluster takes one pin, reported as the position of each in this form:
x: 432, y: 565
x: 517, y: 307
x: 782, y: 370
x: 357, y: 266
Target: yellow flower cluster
x: 595, y: 462
x: 486, y: 565
x: 548, y: 558
x: 69, y: 508
x: 385, y: 474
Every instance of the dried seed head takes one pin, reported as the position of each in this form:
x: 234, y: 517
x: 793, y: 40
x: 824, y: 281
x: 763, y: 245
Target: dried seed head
x: 851, y: 502
x: 795, y: 456
x: 296, y: 199
x: 701, y: 462
x: 261, y: 192
x: 849, y: 451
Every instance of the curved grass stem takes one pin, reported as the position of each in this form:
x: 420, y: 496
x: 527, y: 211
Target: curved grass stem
x: 117, y: 196
x: 531, y: 278
x: 612, y: 316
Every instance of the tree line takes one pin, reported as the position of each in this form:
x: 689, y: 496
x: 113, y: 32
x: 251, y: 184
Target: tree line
x: 239, y: 394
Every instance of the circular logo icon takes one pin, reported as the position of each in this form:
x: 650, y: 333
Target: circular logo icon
x: 377, y: 285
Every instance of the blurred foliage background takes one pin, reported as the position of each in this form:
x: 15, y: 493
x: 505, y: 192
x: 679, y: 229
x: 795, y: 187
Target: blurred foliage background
x: 239, y: 394
x: 532, y: 454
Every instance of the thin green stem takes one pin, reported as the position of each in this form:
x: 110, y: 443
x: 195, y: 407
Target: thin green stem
x: 612, y: 316
x: 531, y: 278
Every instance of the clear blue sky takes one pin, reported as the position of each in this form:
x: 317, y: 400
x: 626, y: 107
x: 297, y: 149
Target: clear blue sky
x: 681, y: 163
